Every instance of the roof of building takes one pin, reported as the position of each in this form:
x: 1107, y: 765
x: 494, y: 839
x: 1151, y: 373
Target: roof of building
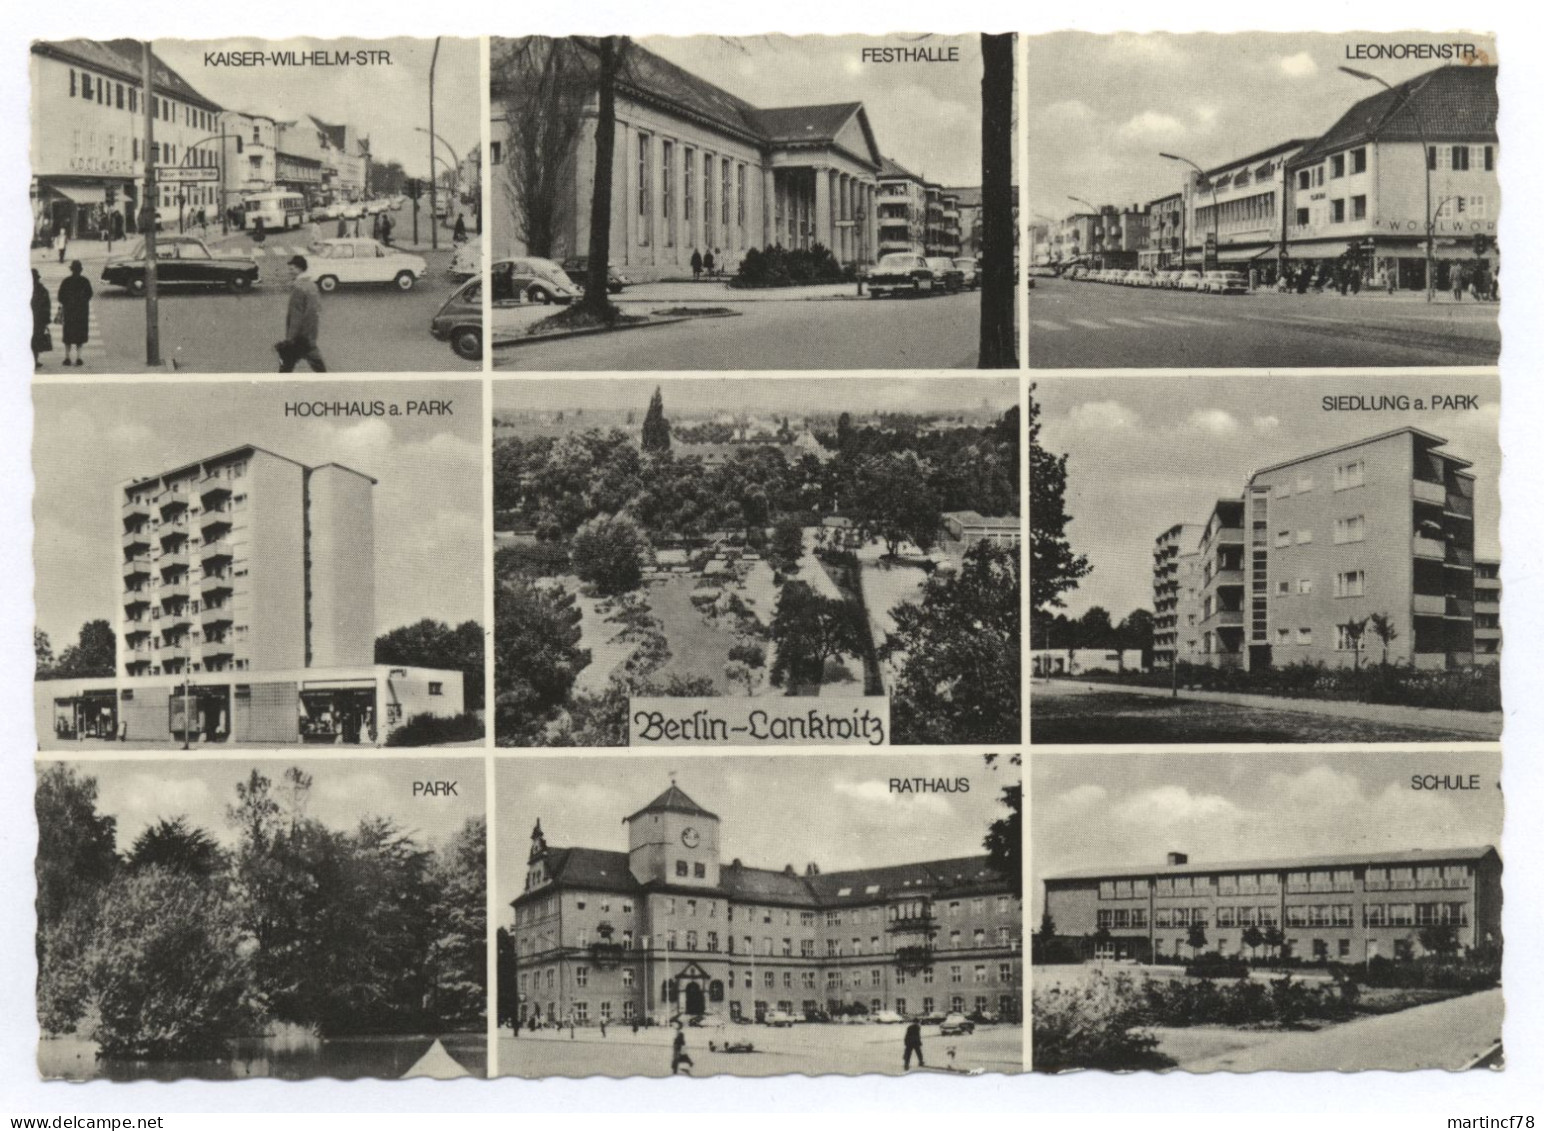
x: 337, y: 136
x: 1281, y: 863
x: 1431, y: 437
x: 890, y: 168
x: 673, y: 800
x: 803, y: 123
x: 227, y: 454
x: 592, y: 869
x: 1455, y: 102
x: 975, y: 518
x: 1293, y: 143
x: 968, y: 195
x: 123, y: 57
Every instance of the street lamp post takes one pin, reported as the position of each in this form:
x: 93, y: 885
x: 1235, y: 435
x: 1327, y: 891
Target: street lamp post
x: 1216, y: 211
x: 1420, y: 130
x: 455, y: 166
x: 434, y: 231
x: 1092, y: 208
x: 148, y: 209
x: 225, y: 226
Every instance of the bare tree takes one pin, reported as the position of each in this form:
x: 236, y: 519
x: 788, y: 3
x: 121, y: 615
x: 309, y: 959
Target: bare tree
x: 998, y: 347
x: 543, y: 84
x: 610, y: 53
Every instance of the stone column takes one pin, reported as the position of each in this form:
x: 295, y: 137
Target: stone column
x: 823, y: 206
x: 768, y: 207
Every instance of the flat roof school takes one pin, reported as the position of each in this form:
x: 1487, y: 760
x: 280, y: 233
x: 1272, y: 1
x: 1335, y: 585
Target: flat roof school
x: 246, y: 613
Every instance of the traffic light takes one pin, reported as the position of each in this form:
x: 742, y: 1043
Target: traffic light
x: 112, y: 196
x: 414, y: 188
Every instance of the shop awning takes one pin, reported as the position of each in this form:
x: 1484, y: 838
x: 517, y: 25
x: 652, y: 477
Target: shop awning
x: 82, y: 194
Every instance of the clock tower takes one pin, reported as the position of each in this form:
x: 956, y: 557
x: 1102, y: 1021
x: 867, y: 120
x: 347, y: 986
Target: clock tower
x: 673, y: 840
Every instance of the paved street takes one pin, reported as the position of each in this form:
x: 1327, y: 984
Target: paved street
x: 807, y: 1049
x: 364, y: 328
x: 827, y: 333
x: 1076, y: 325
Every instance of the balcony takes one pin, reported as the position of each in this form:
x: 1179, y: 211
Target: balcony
x: 1432, y: 548
x: 212, y: 489
x: 137, y: 566
x: 174, y: 555
x: 1225, y: 618
x: 213, y: 618
x: 913, y: 959
x: 216, y: 583
x: 1487, y: 633
x: 136, y: 541
x: 1460, y: 608
x: 925, y: 922
x: 215, y: 528
x: 1491, y: 584
x: 134, y: 629
x: 1483, y: 604
x: 136, y: 599
x: 1425, y: 491
x: 1458, y: 556
x: 1429, y: 604
x: 214, y: 551
x: 173, y: 504
x: 136, y: 509
x: 1459, y: 507
x: 175, y: 590
x: 1227, y: 536
x: 178, y: 621
x: 1226, y: 577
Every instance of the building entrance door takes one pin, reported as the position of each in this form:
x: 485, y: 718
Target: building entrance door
x: 694, y: 999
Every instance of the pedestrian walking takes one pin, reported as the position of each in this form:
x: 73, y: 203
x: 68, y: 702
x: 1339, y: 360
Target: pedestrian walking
x: 42, y: 315
x: 696, y: 265
x: 459, y: 235
x: 302, y: 322
x: 386, y: 227
x: 707, y: 264
x: 1391, y: 279
x: 75, y: 311
x: 913, y: 1044
x: 678, y: 1054
x: 61, y: 241
x: 1458, y: 284
x: 313, y: 235
x: 603, y: 1028
x: 342, y: 227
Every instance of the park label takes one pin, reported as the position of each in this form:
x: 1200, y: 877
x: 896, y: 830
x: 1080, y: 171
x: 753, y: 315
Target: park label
x: 770, y: 721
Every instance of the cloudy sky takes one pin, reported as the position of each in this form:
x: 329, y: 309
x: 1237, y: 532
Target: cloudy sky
x: 1089, y: 811
x: 927, y: 116
x: 836, y: 811
x: 1143, y: 454
x: 428, y: 502
x: 344, y: 791
x: 1102, y: 107
x: 385, y: 103
x: 760, y: 394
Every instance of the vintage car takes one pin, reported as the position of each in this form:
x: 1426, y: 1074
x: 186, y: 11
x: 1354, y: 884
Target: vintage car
x: 1224, y: 283
x: 532, y: 279
x: 901, y: 272
x: 577, y: 269
x: 181, y: 260
x: 971, y: 267
x: 778, y: 1019
x: 352, y: 260
x: 946, y: 276
x: 955, y: 1024
x: 467, y: 260
x: 459, y: 320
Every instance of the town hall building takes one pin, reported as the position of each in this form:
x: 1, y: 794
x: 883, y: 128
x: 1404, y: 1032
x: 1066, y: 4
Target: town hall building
x: 666, y: 929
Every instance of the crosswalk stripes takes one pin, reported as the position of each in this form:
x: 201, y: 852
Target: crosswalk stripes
x: 1088, y: 324
x: 1127, y: 322
x: 1047, y: 324
x: 1140, y: 322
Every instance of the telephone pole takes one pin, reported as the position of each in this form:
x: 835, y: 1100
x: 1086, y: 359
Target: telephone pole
x: 434, y: 211
x: 148, y: 219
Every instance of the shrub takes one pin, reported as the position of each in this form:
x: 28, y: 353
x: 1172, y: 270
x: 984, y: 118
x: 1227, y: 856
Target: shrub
x: 532, y: 559
x: 1216, y: 966
x: 436, y: 730
x: 778, y: 266
x: 609, y: 551
x: 1093, y: 1025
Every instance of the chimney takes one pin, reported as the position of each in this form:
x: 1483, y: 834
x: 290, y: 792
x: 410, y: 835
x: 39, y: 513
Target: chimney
x: 788, y: 870
x: 1178, y: 858
x: 812, y: 869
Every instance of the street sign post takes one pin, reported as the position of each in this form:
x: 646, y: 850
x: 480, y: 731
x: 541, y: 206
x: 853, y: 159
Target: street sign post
x: 187, y: 174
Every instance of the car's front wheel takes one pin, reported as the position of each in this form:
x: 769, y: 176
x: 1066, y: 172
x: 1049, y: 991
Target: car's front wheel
x: 137, y: 285
x: 467, y: 343
x: 538, y: 294
x: 404, y: 280
x: 239, y: 284
x: 328, y: 283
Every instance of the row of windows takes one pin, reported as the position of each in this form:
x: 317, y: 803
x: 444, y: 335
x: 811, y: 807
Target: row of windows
x: 1250, y: 210
x: 579, y: 1012
x: 692, y: 940
x: 1348, y: 583
x: 731, y: 191
x: 981, y: 973
x: 107, y: 92
x: 1309, y: 880
x: 690, y: 908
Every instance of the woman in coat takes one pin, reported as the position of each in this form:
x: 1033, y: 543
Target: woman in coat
x: 75, y: 311
x: 42, y: 314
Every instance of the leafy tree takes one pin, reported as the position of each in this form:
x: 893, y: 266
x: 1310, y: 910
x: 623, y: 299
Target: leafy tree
x: 1135, y: 632
x: 601, y: 720
x: 1054, y: 568
x: 1095, y: 629
x: 895, y: 503
x: 434, y: 644
x: 610, y: 54
x: 1274, y: 939
x: 167, y: 969
x: 809, y: 629
x: 508, y: 1003
x: 536, y: 658
x: 76, y: 845
x: 1047, y: 929
x: 960, y: 678
x: 1383, y: 628
x: 458, y: 913
x: 787, y: 545
x: 747, y: 663
x: 999, y: 221
x: 1355, y: 628
x: 1196, y: 937
x: 1440, y: 939
x: 92, y: 656
x: 1254, y: 938
x: 656, y: 429
x: 177, y: 847
x: 608, y: 551
x: 42, y: 653
x: 1004, y: 841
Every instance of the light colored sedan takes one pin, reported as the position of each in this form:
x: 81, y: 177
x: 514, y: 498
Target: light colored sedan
x: 364, y: 261
x: 1188, y: 281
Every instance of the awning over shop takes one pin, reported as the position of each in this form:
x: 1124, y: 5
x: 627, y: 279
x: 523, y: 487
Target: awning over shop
x: 82, y: 194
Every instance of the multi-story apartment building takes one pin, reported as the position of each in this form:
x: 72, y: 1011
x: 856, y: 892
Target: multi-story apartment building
x: 901, y: 198
x: 1351, y: 907
x: 697, y: 168
x: 1163, y: 240
x: 251, y: 155
x: 666, y: 928
x: 1487, y: 610
x: 246, y: 612
x: 1321, y: 550
x: 1170, y: 584
x: 88, y: 138
x: 1240, y: 204
x: 1364, y: 179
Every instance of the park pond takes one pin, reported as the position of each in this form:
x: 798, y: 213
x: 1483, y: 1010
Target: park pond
x: 291, y: 1056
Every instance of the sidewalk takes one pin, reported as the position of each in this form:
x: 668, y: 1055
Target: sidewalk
x: 719, y: 293
x: 1484, y: 725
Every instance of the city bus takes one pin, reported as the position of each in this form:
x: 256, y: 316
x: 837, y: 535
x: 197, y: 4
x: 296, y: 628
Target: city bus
x: 274, y: 211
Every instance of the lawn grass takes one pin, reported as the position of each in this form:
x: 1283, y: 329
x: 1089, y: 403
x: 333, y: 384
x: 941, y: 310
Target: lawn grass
x: 1113, y: 717
x: 698, y: 648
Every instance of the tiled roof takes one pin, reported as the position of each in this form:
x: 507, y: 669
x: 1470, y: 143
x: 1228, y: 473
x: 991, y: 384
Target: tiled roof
x: 788, y: 124
x: 891, y: 168
x: 762, y: 885
x: 1283, y: 147
x: 123, y: 57
x: 965, y: 873
x: 673, y: 800
x: 592, y: 869
x: 650, y: 74
x: 1281, y: 863
x: 1453, y: 103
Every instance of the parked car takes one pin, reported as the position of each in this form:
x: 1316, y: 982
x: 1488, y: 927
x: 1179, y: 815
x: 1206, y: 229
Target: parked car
x: 578, y: 269
x: 181, y: 260
x: 955, y: 1024
x: 1225, y: 283
x: 778, y: 1019
x: 466, y: 261
x: 1144, y: 277
x: 364, y: 261
x: 887, y: 1017
x: 532, y: 279
x: 459, y: 320
x: 946, y: 276
x: 901, y: 272
x: 1188, y: 281
x: 970, y: 267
